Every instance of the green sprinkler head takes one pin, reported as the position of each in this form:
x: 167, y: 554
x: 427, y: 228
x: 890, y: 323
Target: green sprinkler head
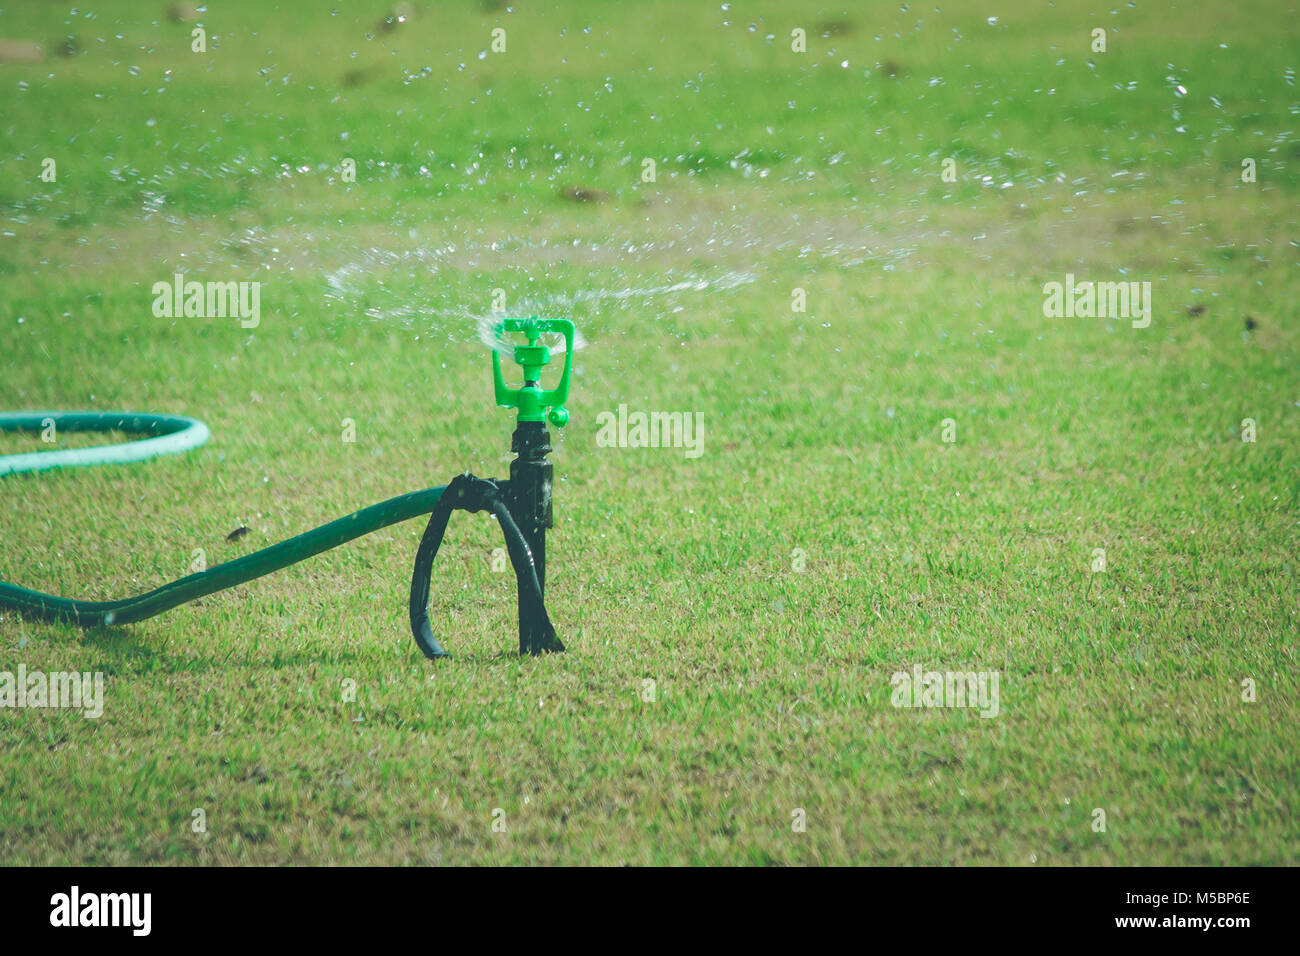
x: 531, y: 399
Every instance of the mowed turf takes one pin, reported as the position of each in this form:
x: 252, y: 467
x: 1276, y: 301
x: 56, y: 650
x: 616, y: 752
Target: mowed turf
x: 733, y: 620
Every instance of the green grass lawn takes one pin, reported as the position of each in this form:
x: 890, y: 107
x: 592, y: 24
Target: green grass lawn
x: 828, y: 536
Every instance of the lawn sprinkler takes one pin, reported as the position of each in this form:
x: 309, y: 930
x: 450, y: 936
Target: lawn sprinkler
x: 521, y: 503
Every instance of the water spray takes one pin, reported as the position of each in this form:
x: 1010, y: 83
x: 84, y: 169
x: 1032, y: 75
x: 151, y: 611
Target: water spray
x: 521, y: 503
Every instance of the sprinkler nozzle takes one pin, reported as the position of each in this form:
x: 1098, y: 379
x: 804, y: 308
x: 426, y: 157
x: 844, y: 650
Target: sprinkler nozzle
x: 531, y: 399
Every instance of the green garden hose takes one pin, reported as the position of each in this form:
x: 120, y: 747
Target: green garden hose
x: 174, y: 434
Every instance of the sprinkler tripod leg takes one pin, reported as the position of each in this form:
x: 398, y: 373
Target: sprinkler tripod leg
x: 467, y: 493
x: 421, y: 576
x: 536, y: 635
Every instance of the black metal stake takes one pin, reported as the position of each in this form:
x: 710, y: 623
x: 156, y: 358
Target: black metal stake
x: 530, y: 490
